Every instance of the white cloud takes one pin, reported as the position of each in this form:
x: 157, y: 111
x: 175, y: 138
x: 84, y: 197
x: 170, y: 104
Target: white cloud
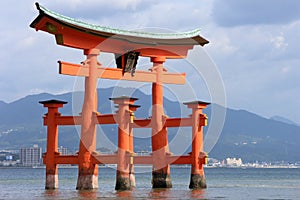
x: 26, y: 42
x: 279, y: 41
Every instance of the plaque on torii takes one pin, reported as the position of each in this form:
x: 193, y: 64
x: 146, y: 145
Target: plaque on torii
x: 127, y: 46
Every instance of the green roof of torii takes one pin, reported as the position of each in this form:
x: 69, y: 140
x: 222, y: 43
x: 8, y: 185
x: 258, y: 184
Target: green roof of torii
x: 194, y: 34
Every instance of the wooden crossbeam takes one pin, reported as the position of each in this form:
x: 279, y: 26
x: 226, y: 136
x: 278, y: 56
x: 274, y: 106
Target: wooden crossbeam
x: 170, y: 122
x: 77, y: 120
x: 66, y: 159
x: 111, y: 119
x: 105, y: 159
x: 142, y: 160
x: 113, y: 159
x: 117, y: 74
x: 178, y: 122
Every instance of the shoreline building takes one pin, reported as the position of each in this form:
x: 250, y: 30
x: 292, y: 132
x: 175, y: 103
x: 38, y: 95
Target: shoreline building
x: 31, y: 156
x: 234, y: 162
x: 63, y: 150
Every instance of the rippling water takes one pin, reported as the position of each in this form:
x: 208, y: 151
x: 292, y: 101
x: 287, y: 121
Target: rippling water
x: 223, y: 183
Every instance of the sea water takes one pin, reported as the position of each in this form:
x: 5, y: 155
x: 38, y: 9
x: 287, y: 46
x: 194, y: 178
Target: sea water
x: 223, y: 183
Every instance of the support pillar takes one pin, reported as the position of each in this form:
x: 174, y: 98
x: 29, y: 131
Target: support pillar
x: 197, y: 180
x: 52, y: 142
x: 132, y: 109
x: 124, y: 179
x: 88, y: 171
x: 160, y: 147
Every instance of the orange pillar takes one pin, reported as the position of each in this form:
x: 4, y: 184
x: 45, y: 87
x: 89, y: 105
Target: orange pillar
x: 87, y: 171
x: 161, y: 170
x: 132, y: 109
x: 123, y: 180
x: 197, y: 179
x: 52, y: 142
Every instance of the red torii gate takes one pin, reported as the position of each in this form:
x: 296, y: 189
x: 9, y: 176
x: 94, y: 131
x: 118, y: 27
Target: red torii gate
x: 128, y: 45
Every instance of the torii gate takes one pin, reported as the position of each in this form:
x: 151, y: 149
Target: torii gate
x: 128, y: 45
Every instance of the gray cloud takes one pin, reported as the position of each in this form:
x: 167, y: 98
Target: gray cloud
x: 250, y: 12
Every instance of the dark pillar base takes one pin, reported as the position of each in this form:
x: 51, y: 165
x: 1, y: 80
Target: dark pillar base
x: 161, y: 180
x: 51, y: 181
x: 197, y: 181
x: 123, y: 182
x: 87, y: 182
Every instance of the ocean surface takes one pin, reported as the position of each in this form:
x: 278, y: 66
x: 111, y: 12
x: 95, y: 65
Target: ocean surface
x: 223, y: 183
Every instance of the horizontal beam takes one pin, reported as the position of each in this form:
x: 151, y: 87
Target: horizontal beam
x: 77, y: 120
x: 117, y: 74
x: 106, y: 119
x: 178, y: 122
x: 141, y: 123
x: 63, y: 159
x: 66, y: 159
x: 68, y: 120
x: 177, y: 160
x: 170, y: 122
x: 111, y: 119
x: 142, y: 160
x: 105, y: 159
x: 113, y: 159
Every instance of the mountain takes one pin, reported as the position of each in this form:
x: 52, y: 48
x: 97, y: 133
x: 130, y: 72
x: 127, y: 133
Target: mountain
x: 252, y: 138
x: 283, y: 119
x: 244, y: 134
x: 2, y: 104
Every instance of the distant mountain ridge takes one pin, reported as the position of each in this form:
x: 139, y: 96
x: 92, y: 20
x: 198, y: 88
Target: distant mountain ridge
x: 2, y: 104
x: 244, y: 134
x: 284, y: 120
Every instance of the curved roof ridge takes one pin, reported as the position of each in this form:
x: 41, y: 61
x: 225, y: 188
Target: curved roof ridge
x: 176, y: 35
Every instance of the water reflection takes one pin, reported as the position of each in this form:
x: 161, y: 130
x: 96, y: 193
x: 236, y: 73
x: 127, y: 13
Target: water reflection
x: 157, y: 194
x: 88, y: 194
x: 160, y: 193
x: 197, y: 194
x: 52, y: 194
x: 125, y: 194
x: 176, y: 194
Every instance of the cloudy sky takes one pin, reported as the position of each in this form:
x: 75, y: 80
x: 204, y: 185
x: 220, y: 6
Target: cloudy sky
x: 254, y: 44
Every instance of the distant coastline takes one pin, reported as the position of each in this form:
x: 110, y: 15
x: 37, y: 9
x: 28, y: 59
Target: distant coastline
x: 173, y: 166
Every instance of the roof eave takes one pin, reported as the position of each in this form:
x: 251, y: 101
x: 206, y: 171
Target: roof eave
x: 194, y: 34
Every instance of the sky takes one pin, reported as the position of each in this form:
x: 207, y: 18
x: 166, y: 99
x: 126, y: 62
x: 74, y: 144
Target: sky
x: 253, y: 43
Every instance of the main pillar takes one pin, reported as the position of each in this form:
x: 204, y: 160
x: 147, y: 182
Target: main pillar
x: 161, y: 170
x: 88, y: 171
x: 124, y: 180
x: 52, y: 142
x: 197, y: 180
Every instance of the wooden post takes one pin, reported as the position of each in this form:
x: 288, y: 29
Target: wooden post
x: 197, y: 179
x: 52, y: 142
x: 87, y: 171
x: 132, y: 109
x: 161, y: 170
x: 123, y: 179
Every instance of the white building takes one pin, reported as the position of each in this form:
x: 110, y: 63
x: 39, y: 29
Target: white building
x: 234, y: 162
x: 63, y: 150
x: 31, y: 156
